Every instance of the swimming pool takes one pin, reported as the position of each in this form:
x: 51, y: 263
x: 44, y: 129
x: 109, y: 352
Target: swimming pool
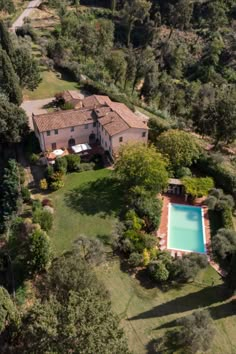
x: 186, y: 228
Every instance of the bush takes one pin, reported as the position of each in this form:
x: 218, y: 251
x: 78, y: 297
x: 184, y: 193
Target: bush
x: 86, y: 166
x: 61, y: 165
x: 43, y: 184
x: 25, y: 194
x: 39, y: 253
x: 34, y: 158
x: 158, y: 271
x: 56, y: 185
x: 183, y: 172
x: 97, y: 159
x: 47, y: 202
x: 211, y: 202
x: 49, y: 172
x: 135, y: 259
x: 43, y: 218
x: 36, y: 204
x: 73, y: 162
x: 223, y: 177
x: 227, y: 218
x: 67, y: 106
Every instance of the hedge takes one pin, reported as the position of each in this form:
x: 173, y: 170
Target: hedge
x: 223, y: 178
x: 227, y: 218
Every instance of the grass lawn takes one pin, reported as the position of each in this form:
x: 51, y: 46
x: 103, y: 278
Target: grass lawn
x: 87, y: 205
x: 49, y: 86
x: 146, y: 312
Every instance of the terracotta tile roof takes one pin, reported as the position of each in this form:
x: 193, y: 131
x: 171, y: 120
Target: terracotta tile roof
x: 72, y: 95
x: 63, y: 119
x: 113, y: 124
x: 96, y: 101
x: 127, y: 115
x: 102, y: 111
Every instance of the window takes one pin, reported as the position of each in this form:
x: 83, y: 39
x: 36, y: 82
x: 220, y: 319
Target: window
x: 143, y: 134
x: 105, y: 144
x: 121, y: 139
x: 54, y: 146
x: 86, y: 126
x: 48, y: 133
x: 94, y: 124
x: 72, y: 129
x: 56, y: 131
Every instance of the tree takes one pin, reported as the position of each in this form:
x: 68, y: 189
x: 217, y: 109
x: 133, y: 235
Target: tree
x: 26, y: 67
x: 197, y: 187
x: 39, y: 252
x: 5, y: 39
x: 13, y: 122
x: 180, y: 147
x: 8, y: 311
x: 9, y: 81
x: 135, y: 10
x: 75, y: 315
x: 73, y: 162
x: 9, y: 193
x: 7, y: 6
x: 141, y: 165
x: 150, y: 86
x: 116, y: 64
x: 197, y: 332
x: 186, y: 268
x: 224, y: 245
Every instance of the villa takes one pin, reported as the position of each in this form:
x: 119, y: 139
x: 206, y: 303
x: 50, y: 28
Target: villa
x: 95, y: 119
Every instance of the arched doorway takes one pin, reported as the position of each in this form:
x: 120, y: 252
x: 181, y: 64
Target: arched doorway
x: 71, y: 142
x: 92, y: 138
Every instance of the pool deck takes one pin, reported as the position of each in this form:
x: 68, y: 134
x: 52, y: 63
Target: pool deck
x: 162, y: 232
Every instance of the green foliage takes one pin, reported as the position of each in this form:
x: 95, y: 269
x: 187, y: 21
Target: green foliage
x: 135, y: 259
x: 9, y: 193
x: 186, y: 268
x: 25, y: 193
x: 39, y: 253
x: 5, y: 39
x: 197, y: 332
x: 13, y: 122
x: 140, y: 165
x: 9, y: 81
x: 158, y: 271
x: 8, y: 312
x: 43, y: 218
x: 26, y: 67
x: 197, y: 187
x: 180, y: 148
x: 56, y: 180
x: 7, y: 6
x: 73, y: 162
x: 67, y: 106
x: 227, y: 218
x: 224, y: 245
x: 86, y: 166
x: 61, y: 165
x: 74, y: 302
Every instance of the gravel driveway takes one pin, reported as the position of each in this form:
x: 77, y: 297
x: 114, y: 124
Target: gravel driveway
x: 26, y: 13
x: 35, y: 107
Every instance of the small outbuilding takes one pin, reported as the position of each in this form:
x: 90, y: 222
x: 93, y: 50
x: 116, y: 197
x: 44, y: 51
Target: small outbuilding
x: 175, y: 186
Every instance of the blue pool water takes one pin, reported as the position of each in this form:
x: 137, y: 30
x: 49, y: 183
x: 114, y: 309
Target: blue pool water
x: 185, y: 229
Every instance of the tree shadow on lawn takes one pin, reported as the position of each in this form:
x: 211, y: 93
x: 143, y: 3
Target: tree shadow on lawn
x: 203, y: 298
x: 103, y: 196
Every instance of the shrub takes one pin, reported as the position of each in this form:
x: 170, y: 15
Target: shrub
x: 211, y: 202
x: 73, y: 162
x: 43, y: 218
x: 43, y: 184
x: 135, y: 259
x: 67, y: 106
x: 197, y: 187
x: 56, y: 185
x: 158, y: 271
x: 86, y: 166
x: 39, y: 253
x: 34, y: 158
x: 25, y: 194
x: 36, y: 204
x: 61, y: 165
x: 146, y: 257
x: 49, y: 172
x: 224, y: 244
x: 183, y: 172
x: 227, y: 218
x: 97, y: 159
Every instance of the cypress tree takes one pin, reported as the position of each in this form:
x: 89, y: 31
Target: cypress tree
x: 9, y: 81
x: 5, y: 40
